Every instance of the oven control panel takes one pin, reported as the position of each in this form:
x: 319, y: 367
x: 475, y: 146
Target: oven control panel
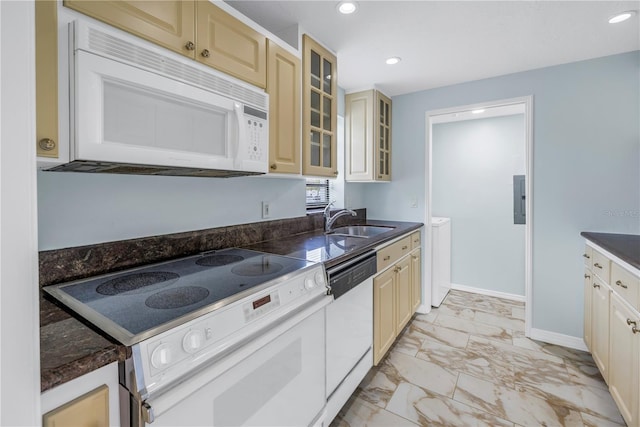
x: 170, y: 354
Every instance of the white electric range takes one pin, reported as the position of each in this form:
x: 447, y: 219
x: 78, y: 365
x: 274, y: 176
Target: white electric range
x: 229, y: 337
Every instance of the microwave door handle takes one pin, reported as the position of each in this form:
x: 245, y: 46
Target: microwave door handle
x: 241, y: 137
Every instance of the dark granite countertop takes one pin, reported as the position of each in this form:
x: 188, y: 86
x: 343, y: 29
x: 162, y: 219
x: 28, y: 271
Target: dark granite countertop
x: 330, y: 249
x: 624, y: 246
x: 69, y: 348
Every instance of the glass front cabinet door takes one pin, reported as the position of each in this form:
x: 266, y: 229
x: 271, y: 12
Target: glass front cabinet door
x: 319, y: 154
x: 367, y: 136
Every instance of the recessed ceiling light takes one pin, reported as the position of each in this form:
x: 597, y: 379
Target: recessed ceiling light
x: 347, y: 7
x: 478, y: 111
x: 393, y: 60
x: 622, y: 16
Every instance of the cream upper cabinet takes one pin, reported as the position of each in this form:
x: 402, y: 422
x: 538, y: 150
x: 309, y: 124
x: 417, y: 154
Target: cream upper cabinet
x: 319, y: 110
x: 170, y: 24
x: 367, y: 136
x: 225, y: 43
x: 283, y: 87
x: 196, y: 29
x: 624, y: 359
x: 47, y: 142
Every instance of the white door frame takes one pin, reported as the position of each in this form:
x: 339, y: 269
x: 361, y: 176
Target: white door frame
x: 527, y: 102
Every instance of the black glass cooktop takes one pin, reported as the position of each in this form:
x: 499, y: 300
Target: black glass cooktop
x: 142, y: 299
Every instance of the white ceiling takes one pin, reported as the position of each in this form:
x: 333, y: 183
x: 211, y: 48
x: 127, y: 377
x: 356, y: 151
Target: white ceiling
x: 448, y: 42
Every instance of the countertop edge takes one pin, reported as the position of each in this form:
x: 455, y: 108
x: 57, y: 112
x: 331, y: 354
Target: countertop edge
x: 52, y: 377
x: 624, y: 246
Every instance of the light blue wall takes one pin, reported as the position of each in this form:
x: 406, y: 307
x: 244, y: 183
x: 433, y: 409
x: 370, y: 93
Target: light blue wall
x: 77, y: 209
x: 472, y: 183
x: 586, y: 166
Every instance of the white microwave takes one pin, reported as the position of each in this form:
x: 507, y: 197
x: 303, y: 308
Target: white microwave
x: 136, y: 108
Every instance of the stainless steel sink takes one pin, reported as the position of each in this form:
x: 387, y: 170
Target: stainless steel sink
x: 361, y: 230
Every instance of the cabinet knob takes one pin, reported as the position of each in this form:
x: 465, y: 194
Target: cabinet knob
x: 404, y: 248
x: 631, y: 322
x: 273, y: 166
x: 47, y: 144
x: 622, y: 285
x: 335, y: 173
x: 586, y: 256
x: 586, y: 276
x: 387, y: 258
x: 205, y: 53
x: 595, y: 285
x: 379, y: 176
x: 190, y: 46
x: 597, y: 265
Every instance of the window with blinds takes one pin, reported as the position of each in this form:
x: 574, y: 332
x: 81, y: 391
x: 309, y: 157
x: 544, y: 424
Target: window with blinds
x: 318, y: 193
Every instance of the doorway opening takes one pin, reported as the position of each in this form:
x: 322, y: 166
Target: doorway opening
x: 462, y: 190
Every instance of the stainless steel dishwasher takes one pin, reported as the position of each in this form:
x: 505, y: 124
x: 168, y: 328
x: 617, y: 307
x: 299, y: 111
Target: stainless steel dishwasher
x: 349, y: 330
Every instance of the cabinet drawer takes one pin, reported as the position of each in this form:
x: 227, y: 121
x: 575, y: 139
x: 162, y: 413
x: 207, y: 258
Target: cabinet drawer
x: 415, y: 240
x: 601, y: 265
x: 587, y: 256
x: 626, y: 285
x: 390, y: 254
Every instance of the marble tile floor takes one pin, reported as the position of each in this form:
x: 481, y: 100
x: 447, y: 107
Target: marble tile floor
x: 468, y: 363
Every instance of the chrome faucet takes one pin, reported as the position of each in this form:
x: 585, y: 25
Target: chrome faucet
x: 330, y: 220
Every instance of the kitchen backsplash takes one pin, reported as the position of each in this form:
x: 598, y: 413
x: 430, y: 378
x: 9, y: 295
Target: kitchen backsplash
x: 62, y: 265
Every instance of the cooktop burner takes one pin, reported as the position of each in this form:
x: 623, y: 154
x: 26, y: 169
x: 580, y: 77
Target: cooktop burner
x: 218, y: 260
x: 257, y: 268
x: 138, y: 282
x: 177, y: 297
x: 138, y: 303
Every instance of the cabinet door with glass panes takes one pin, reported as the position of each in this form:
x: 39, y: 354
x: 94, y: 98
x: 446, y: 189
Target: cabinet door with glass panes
x: 319, y: 153
x: 383, y: 138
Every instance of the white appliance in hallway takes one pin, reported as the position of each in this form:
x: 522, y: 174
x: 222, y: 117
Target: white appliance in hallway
x: 440, y: 259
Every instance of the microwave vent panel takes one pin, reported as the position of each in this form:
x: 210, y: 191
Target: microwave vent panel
x: 106, y: 44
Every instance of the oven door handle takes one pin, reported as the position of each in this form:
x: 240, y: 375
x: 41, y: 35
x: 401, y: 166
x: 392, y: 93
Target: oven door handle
x: 154, y: 406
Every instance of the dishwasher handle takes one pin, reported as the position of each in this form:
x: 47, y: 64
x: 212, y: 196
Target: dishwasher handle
x: 337, y: 269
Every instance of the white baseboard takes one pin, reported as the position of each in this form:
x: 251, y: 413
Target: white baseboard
x: 488, y: 292
x: 423, y: 309
x: 558, y: 339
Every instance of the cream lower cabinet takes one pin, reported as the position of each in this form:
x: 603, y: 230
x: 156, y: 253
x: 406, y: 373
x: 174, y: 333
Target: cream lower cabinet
x: 89, y: 400
x: 416, y: 279
x: 404, y: 288
x: 396, y: 292
x: 588, y: 297
x: 612, y: 327
x: 624, y: 359
x: 384, y: 309
x: 600, y: 326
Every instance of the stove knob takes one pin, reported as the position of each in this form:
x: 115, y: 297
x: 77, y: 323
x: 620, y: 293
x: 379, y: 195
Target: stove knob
x: 309, y: 283
x: 192, y: 341
x: 161, y: 356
